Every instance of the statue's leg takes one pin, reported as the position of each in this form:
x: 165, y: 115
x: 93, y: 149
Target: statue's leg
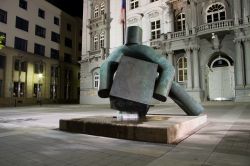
x: 184, y: 100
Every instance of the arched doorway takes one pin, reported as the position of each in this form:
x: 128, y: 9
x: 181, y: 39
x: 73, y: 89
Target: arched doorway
x: 221, y: 78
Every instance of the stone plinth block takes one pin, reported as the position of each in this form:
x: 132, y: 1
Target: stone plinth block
x: 154, y: 128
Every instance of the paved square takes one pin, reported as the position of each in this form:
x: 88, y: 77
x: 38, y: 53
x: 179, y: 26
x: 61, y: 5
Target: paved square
x: 29, y: 136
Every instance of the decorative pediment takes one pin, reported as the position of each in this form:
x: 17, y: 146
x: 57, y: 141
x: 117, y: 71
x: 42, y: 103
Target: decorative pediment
x: 132, y: 20
x: 153, y: 14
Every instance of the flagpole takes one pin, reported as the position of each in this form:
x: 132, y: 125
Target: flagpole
x: 123, y: 20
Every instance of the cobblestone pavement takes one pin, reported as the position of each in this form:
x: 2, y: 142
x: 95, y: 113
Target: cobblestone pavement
x: 29, y: 136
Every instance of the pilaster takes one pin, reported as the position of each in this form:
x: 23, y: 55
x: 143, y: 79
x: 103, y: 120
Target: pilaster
x: 246, y: 12
x: 237, y: 11
x: 193, y: 14
x: 189, y: 69
x: 247, y: 60
x: 196, y: 74
x: 239, y: 72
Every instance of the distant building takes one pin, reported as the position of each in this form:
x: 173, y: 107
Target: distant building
x: 41, y: 53
x: 208, y: 43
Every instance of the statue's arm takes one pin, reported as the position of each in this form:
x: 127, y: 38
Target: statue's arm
x: 164, y: 82
x: 107, y: 71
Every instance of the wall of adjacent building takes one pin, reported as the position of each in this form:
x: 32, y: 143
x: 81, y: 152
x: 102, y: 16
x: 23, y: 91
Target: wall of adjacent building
x: 9, y: 75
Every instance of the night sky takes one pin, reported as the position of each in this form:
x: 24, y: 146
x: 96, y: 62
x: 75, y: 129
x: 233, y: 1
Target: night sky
x: 72, y: 7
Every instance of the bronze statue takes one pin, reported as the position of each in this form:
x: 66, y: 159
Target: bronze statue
x: 157, y: 82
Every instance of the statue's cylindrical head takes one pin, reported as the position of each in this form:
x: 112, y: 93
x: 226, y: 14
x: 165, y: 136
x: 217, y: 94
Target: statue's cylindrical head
x: 134, y: 35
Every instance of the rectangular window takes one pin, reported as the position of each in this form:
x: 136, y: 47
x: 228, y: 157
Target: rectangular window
x: 22, y: 24
x: 4, y: 40
x: 21, y: 44
x: 55, y: 37
x: 37, y: 90
x: 2, y: 62
x: 54, y: 54
x: 67, y: 58
x: 38, y: 68
x: 69, y: 27
x: 79, y: 46
x: 56, y: 21
x: 1, y: 88
x: 153, y: 0
x: 54, y: 71
x: 53, y: 91
x: 3, y: 16
x: 20, y: 66
x: 155, y: 29
x: 23, y: 4
x: 134, y: 4
x: 41, y: 13
x: 39, y: 49
x: 18, y: 89
x: 40, y: 31
x: 68, y: 42
x: 96, y: 80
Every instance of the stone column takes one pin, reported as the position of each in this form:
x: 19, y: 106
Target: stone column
x: 196, y: 74
x: 247, y: 61
x: 239, y: 64
x: 246, y: 4
x: 170, y: 57
x: 189, y: 69
x: 237, y: 11
x: 8, y: 76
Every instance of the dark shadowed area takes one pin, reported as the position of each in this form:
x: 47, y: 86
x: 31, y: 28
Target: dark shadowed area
x: 73, y: 8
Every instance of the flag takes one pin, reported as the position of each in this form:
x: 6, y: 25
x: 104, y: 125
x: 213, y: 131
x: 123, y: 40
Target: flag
x: 123, y: 11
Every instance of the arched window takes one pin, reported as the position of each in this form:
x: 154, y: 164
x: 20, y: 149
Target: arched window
x: 216, y: 12
x: 182, y: 69
x: 96, y: 11
x: 96, y: 80
x: 102, y: 8
x: 180, y: 22
x: 95, y: 42
x: 102, y: 40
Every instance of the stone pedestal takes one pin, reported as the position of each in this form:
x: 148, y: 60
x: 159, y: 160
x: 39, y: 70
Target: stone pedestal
x: 154, y: 128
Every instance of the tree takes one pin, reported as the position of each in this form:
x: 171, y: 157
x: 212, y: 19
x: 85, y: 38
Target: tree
x: 1, y: 42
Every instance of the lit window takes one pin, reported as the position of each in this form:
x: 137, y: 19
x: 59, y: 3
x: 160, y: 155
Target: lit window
x: 182, y: 69
x: 155, y: 29
x: 96, y: 12
x: 95, y: 42
x: 134, y: 4
x: 180, y: 22
x: 96, y: 80
x: 216, y: 12
x: 102, y: 40
x: 102, y: 8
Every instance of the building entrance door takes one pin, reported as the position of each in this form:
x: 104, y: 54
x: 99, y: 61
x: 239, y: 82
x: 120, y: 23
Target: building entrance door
x: 221, y: 80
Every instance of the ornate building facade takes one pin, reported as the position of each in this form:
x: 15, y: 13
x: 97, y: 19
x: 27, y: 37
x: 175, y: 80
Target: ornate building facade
x: 207, y: 41
x: 40, y: 59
